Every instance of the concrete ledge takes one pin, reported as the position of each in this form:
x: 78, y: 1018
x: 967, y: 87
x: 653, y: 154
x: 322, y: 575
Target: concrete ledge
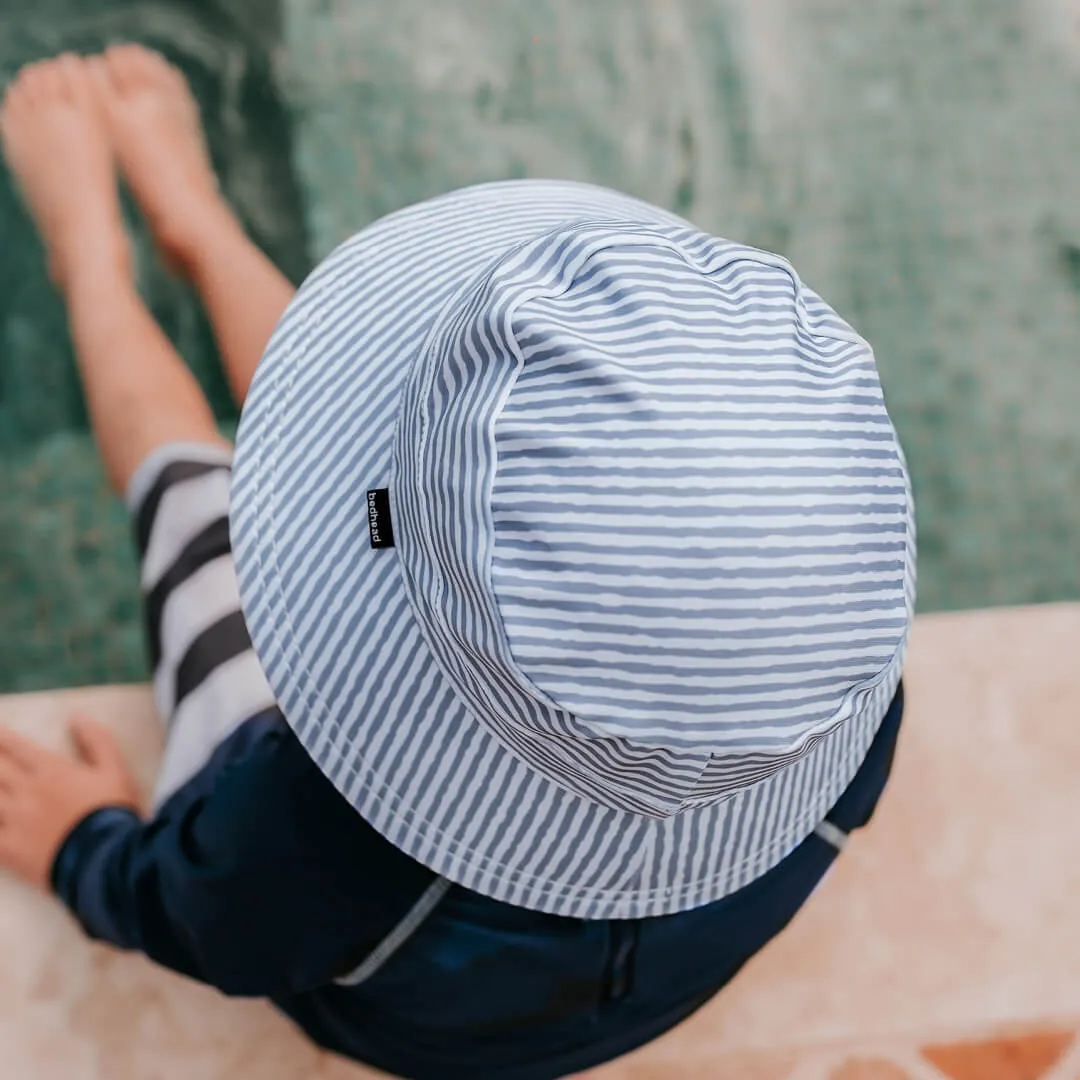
x: 947, y: 934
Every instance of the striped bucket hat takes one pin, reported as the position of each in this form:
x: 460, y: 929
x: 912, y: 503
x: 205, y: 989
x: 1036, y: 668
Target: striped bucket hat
x: 576, y: 545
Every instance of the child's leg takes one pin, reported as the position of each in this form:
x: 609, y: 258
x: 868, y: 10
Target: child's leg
x: 155, y: 430
x: 139, y: 392
x: 158, y: 139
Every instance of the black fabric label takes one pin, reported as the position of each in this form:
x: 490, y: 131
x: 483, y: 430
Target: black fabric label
x: 378, y: 515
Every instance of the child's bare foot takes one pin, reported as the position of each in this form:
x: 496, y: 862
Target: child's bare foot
x: 158, y: 139
x: 57, y: 146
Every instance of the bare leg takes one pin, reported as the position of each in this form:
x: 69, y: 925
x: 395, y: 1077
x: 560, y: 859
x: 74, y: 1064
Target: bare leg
x: 140, y: 393
x: 158, y: 140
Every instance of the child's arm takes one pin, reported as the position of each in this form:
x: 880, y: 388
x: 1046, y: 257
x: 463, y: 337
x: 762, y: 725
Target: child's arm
x: 256, y: 877
x: 184, y: 888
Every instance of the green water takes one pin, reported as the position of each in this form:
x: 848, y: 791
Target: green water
x: 920, y: 164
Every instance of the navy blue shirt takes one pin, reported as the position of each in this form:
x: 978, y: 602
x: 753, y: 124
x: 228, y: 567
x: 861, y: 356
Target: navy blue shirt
x: 258, y: 878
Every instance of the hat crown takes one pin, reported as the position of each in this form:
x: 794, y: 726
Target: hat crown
x: 655, y: 517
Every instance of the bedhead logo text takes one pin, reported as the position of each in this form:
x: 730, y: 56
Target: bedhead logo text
x: 379, y: 526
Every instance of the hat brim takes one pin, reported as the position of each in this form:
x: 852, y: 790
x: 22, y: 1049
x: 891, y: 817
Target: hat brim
x: 343, y: 653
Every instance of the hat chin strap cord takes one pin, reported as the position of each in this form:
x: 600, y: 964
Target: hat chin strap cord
x: 397, y: 937
x: 831, y: 834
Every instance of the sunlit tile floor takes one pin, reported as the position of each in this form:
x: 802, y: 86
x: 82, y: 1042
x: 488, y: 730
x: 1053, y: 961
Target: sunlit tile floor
x: 943, y: 946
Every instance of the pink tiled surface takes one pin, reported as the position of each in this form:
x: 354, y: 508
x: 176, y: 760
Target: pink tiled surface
x: 943, y: 947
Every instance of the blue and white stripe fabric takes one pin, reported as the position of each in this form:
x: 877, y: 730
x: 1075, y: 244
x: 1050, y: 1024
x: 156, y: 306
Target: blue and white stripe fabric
x: 654, y: 562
